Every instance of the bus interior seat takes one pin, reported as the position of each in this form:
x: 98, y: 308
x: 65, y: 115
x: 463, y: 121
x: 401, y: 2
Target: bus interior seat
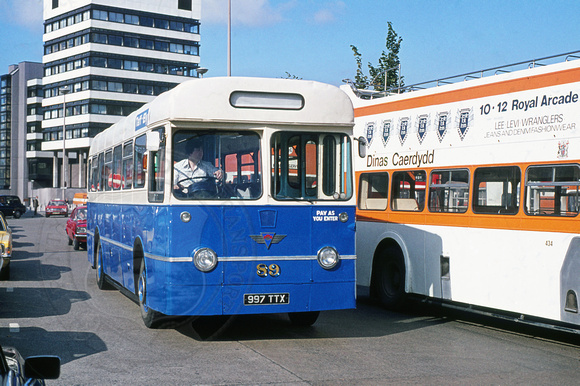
x: 405, y: 204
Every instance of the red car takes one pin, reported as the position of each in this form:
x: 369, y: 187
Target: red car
x: 57, y: 207
x: 76, y: 227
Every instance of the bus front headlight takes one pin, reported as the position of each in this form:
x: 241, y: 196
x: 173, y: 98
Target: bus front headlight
x: 205, y: 259
x: 328, y: 257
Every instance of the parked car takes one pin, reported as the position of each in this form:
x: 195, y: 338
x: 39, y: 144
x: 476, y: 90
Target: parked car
x: 11, y: 206
x: 5, y: 248
x: 76, y: 227
x: 55, y: 207
x: 15, y: 370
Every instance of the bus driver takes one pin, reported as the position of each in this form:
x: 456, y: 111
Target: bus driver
x: 193, y: 176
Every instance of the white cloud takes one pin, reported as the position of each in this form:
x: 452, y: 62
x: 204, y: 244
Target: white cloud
x: 252, y: 13
x: 24, y: 12
x: 329, y: 13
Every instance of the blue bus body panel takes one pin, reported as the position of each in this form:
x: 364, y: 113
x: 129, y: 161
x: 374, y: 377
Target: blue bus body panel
x: 243, y: 238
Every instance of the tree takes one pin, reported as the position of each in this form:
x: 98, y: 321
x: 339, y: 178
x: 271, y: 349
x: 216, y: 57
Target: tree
x: 388, y: 63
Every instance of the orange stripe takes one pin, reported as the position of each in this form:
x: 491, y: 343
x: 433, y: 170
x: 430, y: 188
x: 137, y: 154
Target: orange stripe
x: 486, y: 90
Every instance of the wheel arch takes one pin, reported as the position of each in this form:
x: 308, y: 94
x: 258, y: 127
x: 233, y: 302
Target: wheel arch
x: 392, y: 240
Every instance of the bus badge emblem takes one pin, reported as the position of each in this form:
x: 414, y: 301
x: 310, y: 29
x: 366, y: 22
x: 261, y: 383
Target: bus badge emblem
x: 386, y: 131
x: 370, y: 132
x: 442, y: 125
x: 267, y: 238
x: 422, y: 126
x: 403, y: 129
x: 465, y: 118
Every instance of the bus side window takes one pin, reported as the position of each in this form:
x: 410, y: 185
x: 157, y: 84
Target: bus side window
x: 127, y: 179
x: 496, y: 190
x: 140, y: 168
x: 107, y: 176
x: 157, y: 172
x: 553, y: 190
x: 449, y: 191
x: 116, y: 175
x: 408, y: 191
x: 101, y: 173
x: 373, y: 191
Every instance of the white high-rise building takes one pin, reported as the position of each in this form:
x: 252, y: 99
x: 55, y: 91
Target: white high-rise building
x: 102, y: 60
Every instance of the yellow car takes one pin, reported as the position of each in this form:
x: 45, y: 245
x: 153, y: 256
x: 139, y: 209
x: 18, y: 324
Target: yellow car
x: 5, y: 248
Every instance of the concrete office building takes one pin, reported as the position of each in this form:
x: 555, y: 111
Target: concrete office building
x: 103, y: 59
x: 13, y: 127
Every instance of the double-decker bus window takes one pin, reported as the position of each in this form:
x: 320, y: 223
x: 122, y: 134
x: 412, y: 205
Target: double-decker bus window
x: 216, y: 165
x: 373, y: 191
x: 296, y: 172
x: 116, y: 176
x: 140, y: 166
x: 496, y: 190
x: 449, y: 191
x: 553, y: 190
x: 157, y: 171
x: 408, y: 191
x: 127, y: 181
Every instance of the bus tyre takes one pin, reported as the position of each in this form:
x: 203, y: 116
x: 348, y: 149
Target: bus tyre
x: 389, y: 278
x: 101, y: 282
x: 151, y: 318
x: 303, y: 319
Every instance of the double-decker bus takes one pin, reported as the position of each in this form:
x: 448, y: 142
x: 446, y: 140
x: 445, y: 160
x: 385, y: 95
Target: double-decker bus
x: 468, y: 192
x: 261, y: 222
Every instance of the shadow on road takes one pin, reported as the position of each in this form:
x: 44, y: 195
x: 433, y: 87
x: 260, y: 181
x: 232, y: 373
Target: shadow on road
x: 69, y: 345
x: 23, y: 302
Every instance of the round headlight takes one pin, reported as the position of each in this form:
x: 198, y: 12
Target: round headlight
x: 343, y: 217
x: 328, y: 257
x: 205, y: 259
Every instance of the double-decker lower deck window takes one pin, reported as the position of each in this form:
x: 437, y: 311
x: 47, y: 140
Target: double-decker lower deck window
x: 553, y: 190
x: 496, y: 190
x: 449, y: 191
x: 373, y: 191
x: 408, y: 191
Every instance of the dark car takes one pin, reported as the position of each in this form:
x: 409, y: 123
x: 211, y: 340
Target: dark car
x: 15, y: 370
x: 55, y: 207
x: 12, y: 206
x: 76, y: 227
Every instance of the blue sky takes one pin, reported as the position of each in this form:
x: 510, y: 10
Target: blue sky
x: 311, y: 38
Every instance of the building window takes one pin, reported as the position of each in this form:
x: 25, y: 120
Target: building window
x: 184, y: 4
x: 54, y: 4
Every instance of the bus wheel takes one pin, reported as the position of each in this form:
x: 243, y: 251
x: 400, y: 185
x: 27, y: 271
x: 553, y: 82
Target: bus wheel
x: 390, y: 278
x: 101, y: 282
x: 303, y: 319
x: 151, y: 318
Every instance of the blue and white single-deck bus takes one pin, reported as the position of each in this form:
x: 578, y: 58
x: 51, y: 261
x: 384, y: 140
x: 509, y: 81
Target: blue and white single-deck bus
x: 228, y: 196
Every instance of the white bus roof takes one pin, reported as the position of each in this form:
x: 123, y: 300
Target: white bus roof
x: 261, y: 101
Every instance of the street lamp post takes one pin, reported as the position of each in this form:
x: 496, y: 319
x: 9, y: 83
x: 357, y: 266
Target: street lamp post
x: 64, y: 90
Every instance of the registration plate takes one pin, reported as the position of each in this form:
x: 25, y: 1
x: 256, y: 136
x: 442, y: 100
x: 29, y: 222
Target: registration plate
x: 259, y: 299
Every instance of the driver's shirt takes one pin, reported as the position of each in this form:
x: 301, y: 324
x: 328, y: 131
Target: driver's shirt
x: 186, y: 175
